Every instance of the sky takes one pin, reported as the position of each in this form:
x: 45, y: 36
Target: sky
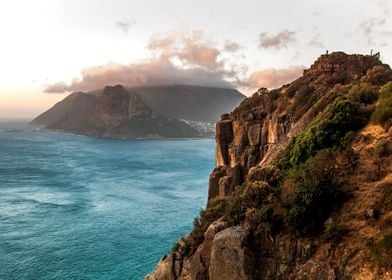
x: 49, y: 48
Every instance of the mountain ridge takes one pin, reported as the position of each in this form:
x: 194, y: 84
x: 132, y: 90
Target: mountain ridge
x: 170, y: 107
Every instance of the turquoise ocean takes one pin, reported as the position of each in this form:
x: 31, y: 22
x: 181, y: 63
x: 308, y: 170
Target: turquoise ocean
x: 77, y: 207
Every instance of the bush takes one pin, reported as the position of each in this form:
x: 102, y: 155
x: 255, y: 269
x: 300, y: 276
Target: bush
x: 363, y: 93
x: 383, y: 147
x: 254, y: 194
x: 382, y: 251
x: 269, y: 173
x: 315, y: 196
x: 340, y: 118
x: 334, y: 232
x: 383, y: 113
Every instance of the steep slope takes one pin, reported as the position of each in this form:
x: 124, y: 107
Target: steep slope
x: 115, y: 112
x: 63, y: 108
x: 302, y: 184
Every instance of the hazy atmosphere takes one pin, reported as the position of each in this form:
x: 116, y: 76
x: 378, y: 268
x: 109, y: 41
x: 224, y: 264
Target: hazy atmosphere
x: 50, y: 48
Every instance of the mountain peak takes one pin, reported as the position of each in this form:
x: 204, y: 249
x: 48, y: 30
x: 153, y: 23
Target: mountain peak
x: 349, y: 67
x: 115, y: 88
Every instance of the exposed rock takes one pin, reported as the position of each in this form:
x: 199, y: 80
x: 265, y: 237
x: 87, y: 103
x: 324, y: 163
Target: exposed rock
x: 229, y: 257
x: 164, y: 269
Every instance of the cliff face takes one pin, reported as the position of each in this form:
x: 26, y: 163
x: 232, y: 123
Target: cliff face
x: 258, y: 129
x: 248, y: 230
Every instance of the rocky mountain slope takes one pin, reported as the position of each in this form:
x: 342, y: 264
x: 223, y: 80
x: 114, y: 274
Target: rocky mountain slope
x: 165, y: 111
x: 114, y: 113
x: 302, y: 187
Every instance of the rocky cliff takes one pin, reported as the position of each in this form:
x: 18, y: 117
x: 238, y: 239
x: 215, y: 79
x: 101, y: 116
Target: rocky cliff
x: 302, y: 184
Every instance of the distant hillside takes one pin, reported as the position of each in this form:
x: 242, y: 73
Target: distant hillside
x: 191, y: 102
x: 165, y: 111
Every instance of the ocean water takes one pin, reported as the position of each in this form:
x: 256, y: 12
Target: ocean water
x: 75, y: 207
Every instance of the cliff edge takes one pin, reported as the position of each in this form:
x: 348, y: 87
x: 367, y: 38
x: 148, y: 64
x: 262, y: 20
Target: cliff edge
x: 302, y: 187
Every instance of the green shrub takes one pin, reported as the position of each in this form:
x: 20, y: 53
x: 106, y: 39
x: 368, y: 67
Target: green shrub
x: 383, y: 147
x: 340, y: 118
x: 252, y: 195
x: 334, y: 232
x: 257, y: 202
x: 269, y: 173
x: 382, y: 251
x: 363, y: 93
x: 383, y: 113
x: 316, y: 194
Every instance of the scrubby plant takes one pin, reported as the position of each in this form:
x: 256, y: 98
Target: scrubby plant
x: 269, y: 173
x: 327, y: 131
x: 316, y: 194
x: 383, y: 113
x: 363, y: 93
x: 383, y: 147
x: 334, y: 232
x: 382, y: 251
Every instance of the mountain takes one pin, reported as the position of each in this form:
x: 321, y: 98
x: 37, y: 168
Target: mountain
x: 194, y: 103
x: 166, y: 111
x: 302, y: 187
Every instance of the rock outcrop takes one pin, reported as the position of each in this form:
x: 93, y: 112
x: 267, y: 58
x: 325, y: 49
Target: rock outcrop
x: 258, y: 244
x: 258, y: 129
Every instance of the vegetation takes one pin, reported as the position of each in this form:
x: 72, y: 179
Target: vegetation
x: 383, y: 113
x: 383, y: 147
x: 334, y: 232
x: 316, y: 193
x: 382, y: 251
x: 340, y: 118
x: 363, y: 93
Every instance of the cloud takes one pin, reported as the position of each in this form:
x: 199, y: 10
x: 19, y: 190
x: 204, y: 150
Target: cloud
x: 125, y: 25
x: 231, y: 47
x: 316, y: 41
x: 273, y: 78
x: 190, y: 48
x: 370, y: 28
x: 180, y: 58
x: 144, y: 73
x: 280, y: 40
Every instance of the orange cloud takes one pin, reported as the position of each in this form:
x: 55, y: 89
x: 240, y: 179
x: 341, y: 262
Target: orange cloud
x: 190, y: 48
x: 273, y: 78
x: 198, y: 57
